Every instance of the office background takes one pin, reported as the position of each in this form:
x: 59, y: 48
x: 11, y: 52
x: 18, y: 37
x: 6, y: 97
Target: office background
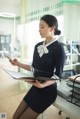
x: 19, y: 24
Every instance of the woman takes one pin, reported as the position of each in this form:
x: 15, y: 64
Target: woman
x: 48, y: 60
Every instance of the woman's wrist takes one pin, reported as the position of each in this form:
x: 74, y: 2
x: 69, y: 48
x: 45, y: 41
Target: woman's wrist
x: 18, y: 64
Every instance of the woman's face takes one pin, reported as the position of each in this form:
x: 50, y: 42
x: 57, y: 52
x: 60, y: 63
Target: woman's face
x: 45, y: 30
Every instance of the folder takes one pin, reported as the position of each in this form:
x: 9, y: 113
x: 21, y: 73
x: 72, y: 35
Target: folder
x: 24, y: 76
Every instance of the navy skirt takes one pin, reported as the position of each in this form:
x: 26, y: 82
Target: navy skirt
x: 39, y: 99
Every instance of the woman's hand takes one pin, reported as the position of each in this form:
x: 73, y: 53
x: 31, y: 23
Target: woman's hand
x: 14, y: 62
x: 35, y: 83
x: 39, y: 84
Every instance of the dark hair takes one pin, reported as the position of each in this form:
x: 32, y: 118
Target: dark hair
x: 51, y: 21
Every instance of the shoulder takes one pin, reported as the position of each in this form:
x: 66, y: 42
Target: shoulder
x: 57, y: 45
x: 40, y: 43
x: 60, y: 45
x: 59, y: 48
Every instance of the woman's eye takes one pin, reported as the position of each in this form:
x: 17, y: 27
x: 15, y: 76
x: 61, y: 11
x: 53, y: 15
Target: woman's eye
x: 42, y: 27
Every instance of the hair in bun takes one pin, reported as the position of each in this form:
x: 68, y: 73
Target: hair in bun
x: 52, y: 22
x: 57, y: 32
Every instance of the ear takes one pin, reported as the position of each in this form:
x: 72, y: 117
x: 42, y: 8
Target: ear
x: 52, y: 29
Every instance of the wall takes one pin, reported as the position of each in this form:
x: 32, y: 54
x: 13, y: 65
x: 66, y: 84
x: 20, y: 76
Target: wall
x: 72, y: 22
x: 36, y: 8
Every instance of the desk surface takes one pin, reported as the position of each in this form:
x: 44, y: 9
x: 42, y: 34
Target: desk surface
x: 9, y: 86
x: 67, y: 107
x: 77, y: 77
x: 11, y: 93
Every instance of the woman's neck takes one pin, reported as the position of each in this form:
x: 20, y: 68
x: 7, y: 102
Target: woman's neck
x: 49, y: 39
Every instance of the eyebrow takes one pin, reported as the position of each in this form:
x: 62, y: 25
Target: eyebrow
x: 41, y: 25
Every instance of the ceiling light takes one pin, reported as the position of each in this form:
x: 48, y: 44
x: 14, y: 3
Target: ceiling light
x: 8, y: 15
